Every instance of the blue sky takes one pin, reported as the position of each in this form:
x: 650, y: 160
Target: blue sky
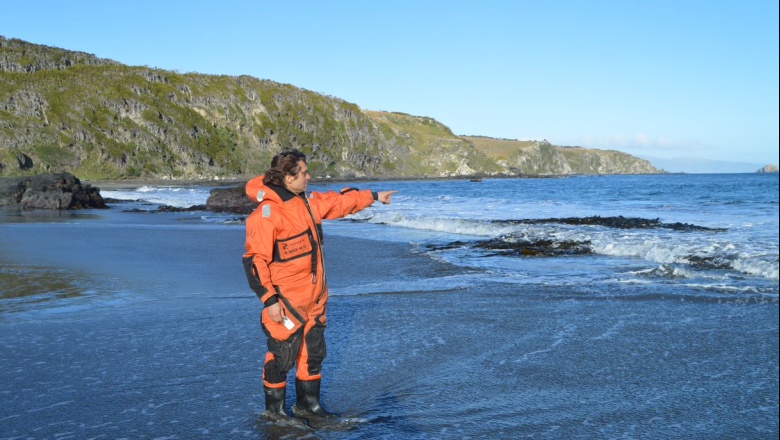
x: 665, y: 79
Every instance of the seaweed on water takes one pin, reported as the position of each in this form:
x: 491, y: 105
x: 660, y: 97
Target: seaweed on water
x: 536, y: 248
x: 508, y: 245
x: 618, y: 222
x: 708, y: 262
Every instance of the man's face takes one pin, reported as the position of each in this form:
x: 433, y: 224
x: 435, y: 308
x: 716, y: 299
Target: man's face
x: 298, y: 183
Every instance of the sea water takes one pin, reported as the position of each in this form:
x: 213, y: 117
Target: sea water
x: 737, y: 252
x: 135, y: 323
x: 736, y: 249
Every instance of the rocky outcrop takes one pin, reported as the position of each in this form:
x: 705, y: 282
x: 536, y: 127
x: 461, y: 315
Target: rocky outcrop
x: 230, y: 200
x: 767, y: 169
x: 50, y: 192
x: 542, y: 158
x: 25, y: 57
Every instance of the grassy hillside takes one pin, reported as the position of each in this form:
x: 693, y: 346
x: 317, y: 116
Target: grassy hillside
x: 498, y: 149
x: 70, y: 111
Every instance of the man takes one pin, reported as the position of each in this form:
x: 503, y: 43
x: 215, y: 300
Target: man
x: 285, y: 268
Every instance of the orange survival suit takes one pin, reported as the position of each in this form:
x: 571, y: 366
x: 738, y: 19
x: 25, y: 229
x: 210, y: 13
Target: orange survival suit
x: 284, y: 263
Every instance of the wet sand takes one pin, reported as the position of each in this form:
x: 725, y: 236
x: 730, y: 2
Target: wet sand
x: 165, y: 342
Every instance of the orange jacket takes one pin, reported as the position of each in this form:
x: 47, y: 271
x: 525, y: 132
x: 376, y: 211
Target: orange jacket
x: 283, y: 256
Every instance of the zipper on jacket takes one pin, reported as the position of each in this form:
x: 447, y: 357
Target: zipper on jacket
x: 320, y: 251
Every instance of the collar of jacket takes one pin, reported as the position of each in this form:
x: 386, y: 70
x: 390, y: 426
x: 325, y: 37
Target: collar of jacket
x: 284, y: 193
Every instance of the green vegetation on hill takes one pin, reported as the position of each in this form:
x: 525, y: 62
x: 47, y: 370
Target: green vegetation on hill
x: 71, y: 111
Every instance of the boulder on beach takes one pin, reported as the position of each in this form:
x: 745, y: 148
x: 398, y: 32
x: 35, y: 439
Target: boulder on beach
x: 49, y: 192
x: 230, y: 200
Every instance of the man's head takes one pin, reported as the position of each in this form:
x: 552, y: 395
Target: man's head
x: 288, y: 169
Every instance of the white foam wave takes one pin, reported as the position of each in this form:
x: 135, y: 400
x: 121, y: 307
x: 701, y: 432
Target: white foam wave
x: 670, y: 250
x: 681, y: 252
x: 179, y: 197
x: 664, y: 271
x: 456, y: 226
x: 758, y: 267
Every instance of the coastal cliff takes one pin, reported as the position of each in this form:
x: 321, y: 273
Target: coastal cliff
x: 67, y: 111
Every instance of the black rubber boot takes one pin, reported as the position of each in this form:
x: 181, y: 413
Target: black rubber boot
x: 308, y: 400
x: 274, y: 407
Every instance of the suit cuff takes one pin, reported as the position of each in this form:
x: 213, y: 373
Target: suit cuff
x: 271, y: 301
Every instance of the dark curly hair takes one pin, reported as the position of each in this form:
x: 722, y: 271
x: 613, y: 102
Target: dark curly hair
x: 283, y: 164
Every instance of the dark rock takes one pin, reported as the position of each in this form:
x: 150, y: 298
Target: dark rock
x: 230, y: 200
x: 11, y: 191
x: 49, y: 191
x: 166, y: 208
x: 24, y: 161
x: 112, y: 201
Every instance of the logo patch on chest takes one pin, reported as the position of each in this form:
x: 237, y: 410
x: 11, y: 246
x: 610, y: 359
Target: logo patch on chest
x: 294, y: 247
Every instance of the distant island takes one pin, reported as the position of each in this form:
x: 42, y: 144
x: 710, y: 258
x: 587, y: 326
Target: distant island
x: 69, y: 111
x: 767, y: 169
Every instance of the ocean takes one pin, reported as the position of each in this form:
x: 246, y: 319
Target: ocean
x: 578, y: 307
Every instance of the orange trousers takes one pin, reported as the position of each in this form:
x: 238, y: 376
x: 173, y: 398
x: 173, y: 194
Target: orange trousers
x: 302, y: 346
